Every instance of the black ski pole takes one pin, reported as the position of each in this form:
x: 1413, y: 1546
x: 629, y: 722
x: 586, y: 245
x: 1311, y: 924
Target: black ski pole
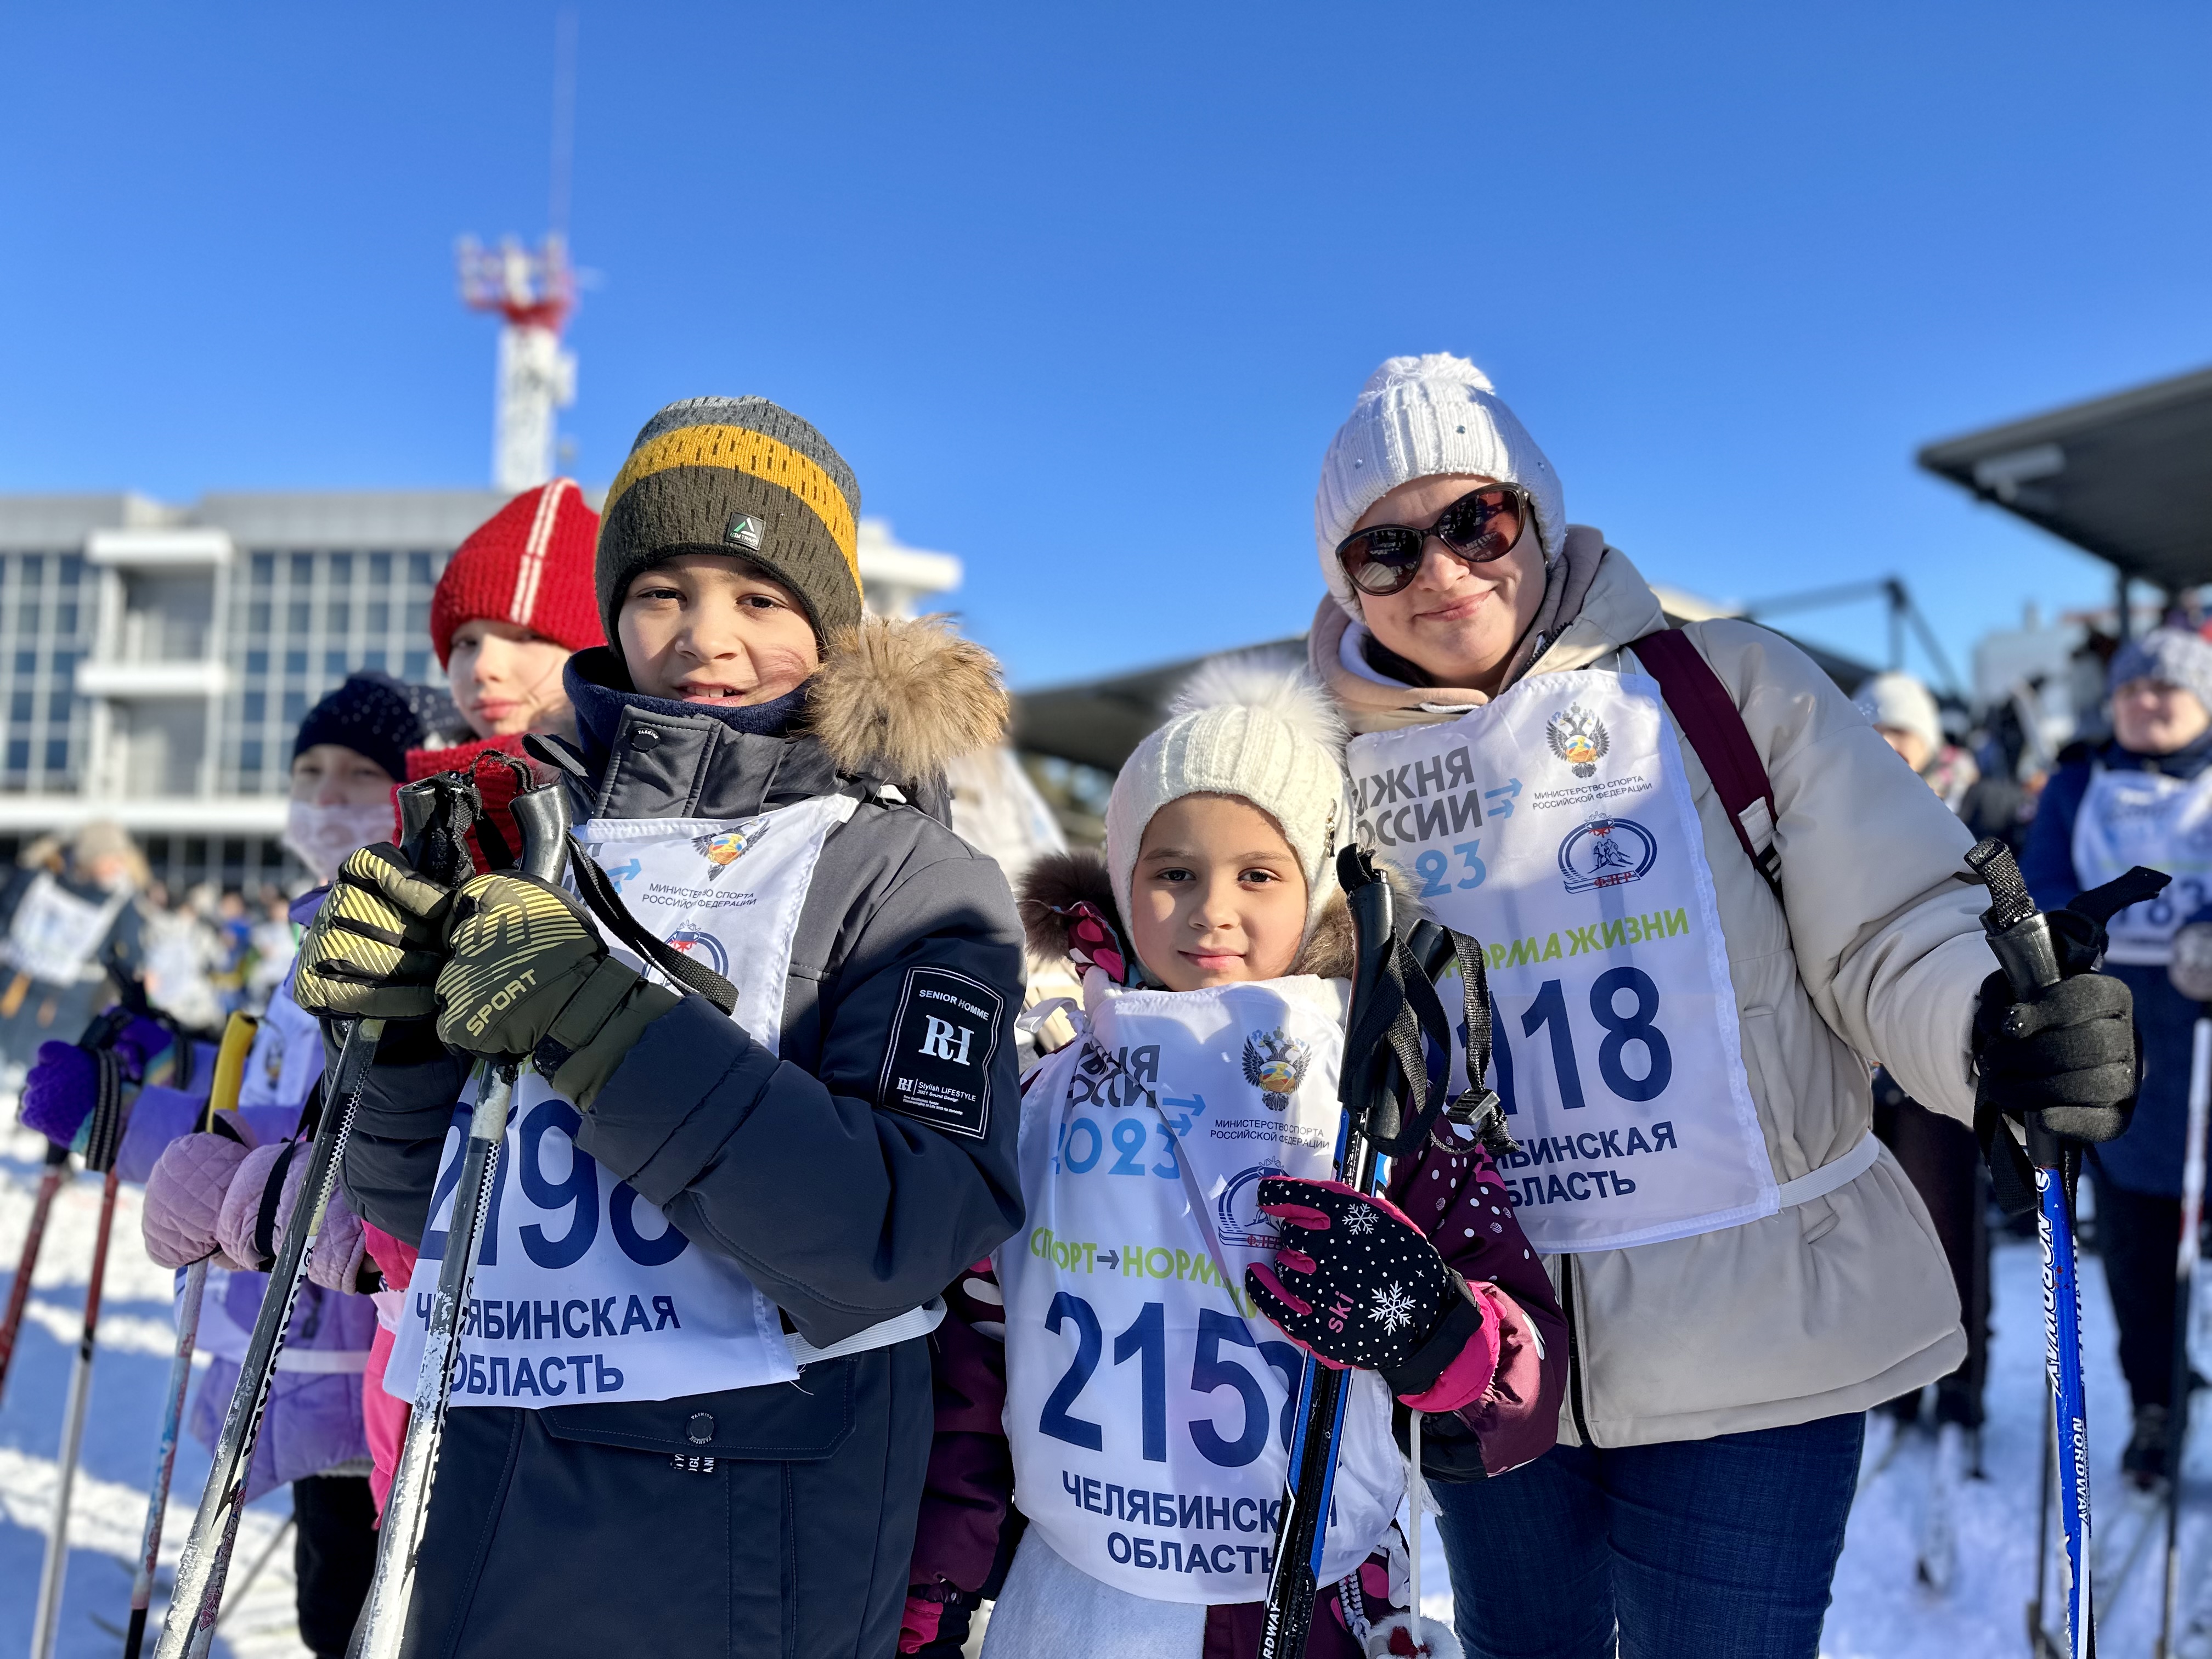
x: 542, y: 815
x: 433, y: 824
x: 230, y: 1074
x: 2190, y: 970
x: 104, y: 1141
x: 1365, y: 1086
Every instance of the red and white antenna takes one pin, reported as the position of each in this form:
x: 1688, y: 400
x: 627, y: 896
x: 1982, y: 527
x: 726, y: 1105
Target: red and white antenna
x: 534, y: 292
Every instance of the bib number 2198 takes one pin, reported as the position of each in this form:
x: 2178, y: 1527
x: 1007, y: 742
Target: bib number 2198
x: 574, y: 1201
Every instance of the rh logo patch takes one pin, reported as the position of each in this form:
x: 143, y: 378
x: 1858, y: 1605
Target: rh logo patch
x: 944, y: 1037
x: 744, y: 531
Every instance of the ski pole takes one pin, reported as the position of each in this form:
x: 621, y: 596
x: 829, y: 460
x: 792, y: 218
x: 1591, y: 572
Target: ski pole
x: 19, y: 1293
x: 229, y: 1073
x: 106, y: 1140
x: 433, y: 822
x: 2019, y: 936
x: 542, y: 815
x: 2190, y: 970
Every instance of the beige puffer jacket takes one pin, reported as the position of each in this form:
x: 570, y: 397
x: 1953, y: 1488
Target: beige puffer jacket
x: 1843, y: 1301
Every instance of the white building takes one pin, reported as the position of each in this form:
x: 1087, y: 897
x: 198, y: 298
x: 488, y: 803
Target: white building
x: 156, y: 659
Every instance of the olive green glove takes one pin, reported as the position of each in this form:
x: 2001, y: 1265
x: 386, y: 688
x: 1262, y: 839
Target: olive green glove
x: 375, y: 948
x: 527, y: 977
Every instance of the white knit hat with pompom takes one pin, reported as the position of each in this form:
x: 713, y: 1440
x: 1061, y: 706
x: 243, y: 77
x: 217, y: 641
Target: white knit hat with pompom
x: 1251, y: 725
x: 1419, y: 418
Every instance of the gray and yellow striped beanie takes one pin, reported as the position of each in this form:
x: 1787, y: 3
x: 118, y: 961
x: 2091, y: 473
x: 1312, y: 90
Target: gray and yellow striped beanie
x: 737, y: 476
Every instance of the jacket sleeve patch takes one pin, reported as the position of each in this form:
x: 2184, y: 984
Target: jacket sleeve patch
x: 944, y: 1036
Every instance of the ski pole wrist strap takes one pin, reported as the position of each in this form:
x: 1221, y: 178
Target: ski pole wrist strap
x: 597, y: 1027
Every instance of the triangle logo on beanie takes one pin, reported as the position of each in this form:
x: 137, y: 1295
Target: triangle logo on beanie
x: 745, y: 531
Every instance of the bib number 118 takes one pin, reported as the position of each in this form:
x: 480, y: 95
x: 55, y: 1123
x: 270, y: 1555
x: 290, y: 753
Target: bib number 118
x: 1640, y: 1025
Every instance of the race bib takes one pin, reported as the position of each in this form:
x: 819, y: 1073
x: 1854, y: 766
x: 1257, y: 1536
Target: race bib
x: 583, y: 1292
x: 1148, y: 1405
x: 1555, y: 824
x: 54, y: 935
x: 2129, y: 819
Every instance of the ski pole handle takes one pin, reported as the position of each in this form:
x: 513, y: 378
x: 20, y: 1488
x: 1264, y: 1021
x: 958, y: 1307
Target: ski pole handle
x: 2019, y: 937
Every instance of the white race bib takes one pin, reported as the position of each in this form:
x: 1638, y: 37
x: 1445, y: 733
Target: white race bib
x: 1148, y: 1405
x: 1555, y: 825
x: 2129, y: 819
x: 583, y: 1292
x: 54, y: 934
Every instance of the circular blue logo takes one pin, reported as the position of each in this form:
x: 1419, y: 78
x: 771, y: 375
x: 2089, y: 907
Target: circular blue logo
x: 1606, y: 853
x: 704, y: 947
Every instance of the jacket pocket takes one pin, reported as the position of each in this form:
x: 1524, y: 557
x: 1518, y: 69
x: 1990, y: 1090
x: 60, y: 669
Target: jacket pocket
x: 801, y: 1422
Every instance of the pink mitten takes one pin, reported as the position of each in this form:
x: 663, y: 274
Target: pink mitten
x: 185, y: 1196
x: 341, y: 1249
x: 240, y: 1219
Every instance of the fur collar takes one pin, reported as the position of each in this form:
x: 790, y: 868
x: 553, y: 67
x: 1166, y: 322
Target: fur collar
x: 896, y: 701
x: 904, y: 699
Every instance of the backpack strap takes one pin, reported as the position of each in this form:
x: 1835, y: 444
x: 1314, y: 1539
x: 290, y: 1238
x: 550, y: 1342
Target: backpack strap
x: 1709, y: 718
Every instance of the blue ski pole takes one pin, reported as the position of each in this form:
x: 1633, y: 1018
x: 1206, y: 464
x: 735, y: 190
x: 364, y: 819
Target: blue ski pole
x: 2019, y: 936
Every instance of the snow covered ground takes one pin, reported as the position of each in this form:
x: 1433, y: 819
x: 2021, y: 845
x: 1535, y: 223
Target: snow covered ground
x: 1881, y: 1611
x: 108, y: 1506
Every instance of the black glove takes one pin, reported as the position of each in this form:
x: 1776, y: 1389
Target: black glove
x: 528, y: 976
x: 2067, y: 1052
x: 374, y: 947
x: 1360, y: 1285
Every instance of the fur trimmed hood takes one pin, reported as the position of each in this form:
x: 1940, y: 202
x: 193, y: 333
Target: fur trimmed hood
x: 1058, y: 881
x: 894, y: 700
x: 903, y: 699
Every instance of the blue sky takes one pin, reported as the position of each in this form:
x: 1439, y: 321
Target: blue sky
x: 1081, y: 293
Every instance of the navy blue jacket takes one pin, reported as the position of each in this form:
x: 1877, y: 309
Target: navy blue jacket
x: 784, y: 1521
x: 2147, y: 1158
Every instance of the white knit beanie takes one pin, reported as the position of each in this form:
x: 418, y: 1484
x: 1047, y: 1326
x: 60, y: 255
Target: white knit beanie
x: 1900, y: 701
x: 1415, y: 418
x: 1250, y: 726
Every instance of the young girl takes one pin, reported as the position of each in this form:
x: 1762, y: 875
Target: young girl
x: 1121, y: 1364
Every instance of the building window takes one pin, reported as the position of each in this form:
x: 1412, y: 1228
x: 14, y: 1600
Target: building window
x: 372, y: 660
x: 56, y: 754
x: 256, y: 662
x: 334, y: 664
x: 296, y: 662
x: 295, y: 707
x: 249, y: 757
x: 257, y: 707
x: 264, y: 569
x: 418, y: 666
x: 19, y: 754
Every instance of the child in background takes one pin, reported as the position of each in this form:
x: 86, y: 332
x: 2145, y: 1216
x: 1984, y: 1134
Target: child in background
x: 205, y: 1195
x: 1119, y: 1372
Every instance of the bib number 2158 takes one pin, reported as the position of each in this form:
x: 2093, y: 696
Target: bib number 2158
x: 1145, y: 1341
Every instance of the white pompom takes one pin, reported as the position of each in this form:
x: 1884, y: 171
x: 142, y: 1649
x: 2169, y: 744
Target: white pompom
x: 1270, y: 683
x: 1438, y: 367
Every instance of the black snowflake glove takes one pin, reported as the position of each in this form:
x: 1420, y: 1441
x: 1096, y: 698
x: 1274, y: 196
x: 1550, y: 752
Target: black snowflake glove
x: 1357, y: 1284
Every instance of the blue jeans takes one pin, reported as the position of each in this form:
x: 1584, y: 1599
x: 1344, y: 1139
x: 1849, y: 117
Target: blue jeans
x: 1696, y: 1549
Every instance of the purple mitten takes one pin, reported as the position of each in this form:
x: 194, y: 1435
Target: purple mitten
x: 185, y: 1197
x: 60, y: 1092
x: 235, y: 1228
x: 142, y: 1044
x: 341, y: 1249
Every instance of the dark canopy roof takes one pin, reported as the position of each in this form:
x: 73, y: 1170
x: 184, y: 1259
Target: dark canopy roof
x: 1098, y: 722
x: 2127, y: 478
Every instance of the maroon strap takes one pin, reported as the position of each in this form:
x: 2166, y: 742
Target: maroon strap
x: 1709, y: 718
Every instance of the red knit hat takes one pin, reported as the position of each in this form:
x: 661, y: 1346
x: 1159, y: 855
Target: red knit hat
x: 529, y: 564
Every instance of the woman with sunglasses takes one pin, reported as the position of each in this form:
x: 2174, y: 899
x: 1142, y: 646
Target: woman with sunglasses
x: 1685, y: 1023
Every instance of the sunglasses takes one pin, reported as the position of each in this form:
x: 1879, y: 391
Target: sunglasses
x: 1481, y: 526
